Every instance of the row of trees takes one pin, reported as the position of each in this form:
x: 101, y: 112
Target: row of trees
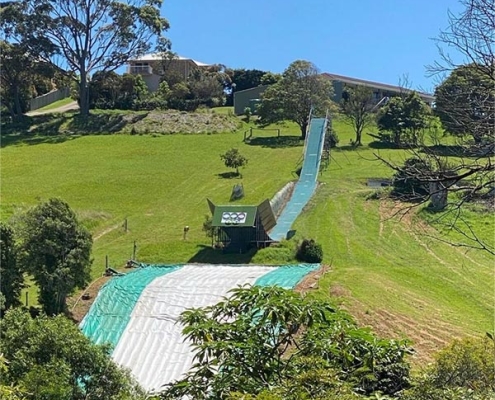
x: 205, y: 87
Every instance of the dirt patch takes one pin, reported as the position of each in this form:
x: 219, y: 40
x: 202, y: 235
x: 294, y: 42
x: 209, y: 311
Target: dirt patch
x: 78, y: 305
x: 311, y: 281
x: 339, y: 291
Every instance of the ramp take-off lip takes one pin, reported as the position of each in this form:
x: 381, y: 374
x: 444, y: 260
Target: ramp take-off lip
x: 306, y: 185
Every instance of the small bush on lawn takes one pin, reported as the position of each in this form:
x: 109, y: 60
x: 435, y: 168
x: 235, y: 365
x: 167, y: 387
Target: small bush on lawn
x: 309, y: 251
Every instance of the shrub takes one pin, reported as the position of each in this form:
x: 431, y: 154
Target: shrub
x: 309, y: 251
x: 465, y: 370
x: 331, y: 140
x: 247, y: 114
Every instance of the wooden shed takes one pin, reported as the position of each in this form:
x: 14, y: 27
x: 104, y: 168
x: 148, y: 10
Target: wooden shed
x: 241, y: 227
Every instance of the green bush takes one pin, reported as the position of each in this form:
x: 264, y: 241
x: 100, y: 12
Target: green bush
x: 465, y: 370
x: 247, y: 114
x: 309, y: 251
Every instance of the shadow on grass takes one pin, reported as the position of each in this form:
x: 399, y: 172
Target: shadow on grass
x: 383, y: 145
x: 446, y: 150
x: 276, y: 142
x: 209, y: 255
x: 229, y: 175
x: 59, y: 127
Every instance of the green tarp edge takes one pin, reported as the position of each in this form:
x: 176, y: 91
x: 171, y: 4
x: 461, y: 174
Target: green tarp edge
x: 110, y: 313
x: 286, y: 276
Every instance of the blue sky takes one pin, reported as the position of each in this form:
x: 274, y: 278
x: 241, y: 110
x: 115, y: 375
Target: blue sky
x: 379, y: 40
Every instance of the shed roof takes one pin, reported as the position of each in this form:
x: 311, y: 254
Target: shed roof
x: 240, y: 216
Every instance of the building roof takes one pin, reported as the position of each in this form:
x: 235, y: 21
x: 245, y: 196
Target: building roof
x: 262, y: 87
x: 378, y: 85
x: 158, y: 57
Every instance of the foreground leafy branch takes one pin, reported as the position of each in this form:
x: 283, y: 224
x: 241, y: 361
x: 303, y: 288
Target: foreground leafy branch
x: 266, y: 338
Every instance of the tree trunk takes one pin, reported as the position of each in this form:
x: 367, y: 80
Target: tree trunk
x: 359, y: 133
x: 438, y: 196
x: 83, y: 95
x: 304, y: 127
x: 17, y: 102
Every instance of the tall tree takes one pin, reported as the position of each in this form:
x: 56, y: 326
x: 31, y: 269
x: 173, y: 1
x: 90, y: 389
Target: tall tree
x: 11, y: 276
x: 50, y: 358
x: 95, y: 35
x: 406, y: 117
x: 357, y: 108
x: 465, y: 103
x: 55, y: 249
x: 300, y: 90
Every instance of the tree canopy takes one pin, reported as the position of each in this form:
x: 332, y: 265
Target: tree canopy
x: 49, y: 358
x: 11, y: 275
x: 56, y: 250
x: 465, y: 103
x: 232, y: 158
x: 405, y: 117
x: 301, y: 89
x: 357, y: 108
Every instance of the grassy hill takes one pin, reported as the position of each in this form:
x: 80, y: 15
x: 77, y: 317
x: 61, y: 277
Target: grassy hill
x: 386, y: 271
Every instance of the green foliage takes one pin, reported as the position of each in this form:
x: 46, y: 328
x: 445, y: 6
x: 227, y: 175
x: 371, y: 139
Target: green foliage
x: 309, y: 251
x: 247, y: 114
x: 406, y: 118
x: 242, y: 343
x: 368, y: 363
x: 247, y: 78
x: 207, y: 228
x: 19, y: 85
x: 234, y: 159
x: 270, y: 78
x: 465, y: 102
x: 206, y: 88
x: 56, y: 250
x: 244, y: 79
x: 51, y: 359
x: 267, y: 342
x: 357, y: 108
x: 465, y: 370
x: 331, y: 138
x: 108, y: 90
x: 300, y: 90
x: 11, y: 276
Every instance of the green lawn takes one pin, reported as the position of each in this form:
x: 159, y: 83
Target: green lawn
x: 383, y: 269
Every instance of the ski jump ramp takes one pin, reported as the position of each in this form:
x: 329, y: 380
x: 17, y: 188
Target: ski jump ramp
x: 306, y: 185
